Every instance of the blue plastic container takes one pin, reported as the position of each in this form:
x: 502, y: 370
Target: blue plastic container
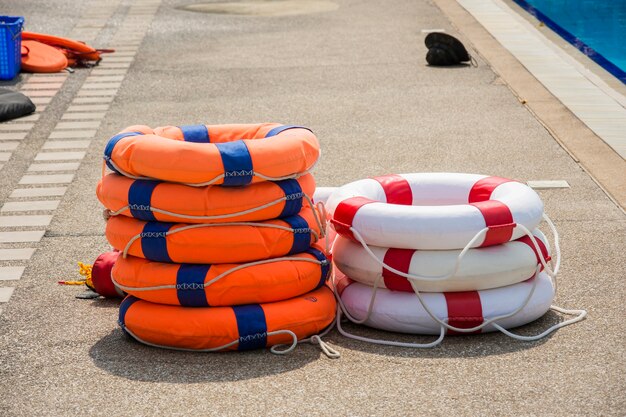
x: 10, y: 46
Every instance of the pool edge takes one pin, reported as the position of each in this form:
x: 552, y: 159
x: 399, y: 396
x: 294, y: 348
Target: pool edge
x: 605, y: 166
x: 577, y: 43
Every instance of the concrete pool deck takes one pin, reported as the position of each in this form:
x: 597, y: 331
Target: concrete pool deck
x: 365, y: 90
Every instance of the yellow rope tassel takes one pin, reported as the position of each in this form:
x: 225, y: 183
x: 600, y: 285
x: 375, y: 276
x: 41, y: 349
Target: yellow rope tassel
x: 81, y: 282
x: 85, y: 271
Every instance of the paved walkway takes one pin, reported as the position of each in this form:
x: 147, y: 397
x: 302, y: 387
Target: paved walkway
x: 362, y: 85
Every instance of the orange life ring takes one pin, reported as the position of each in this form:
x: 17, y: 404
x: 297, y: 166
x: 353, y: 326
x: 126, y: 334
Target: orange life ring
x: 246, y: 327
x: 163, y: 201
x: 230, y: 155
x: 214, y: 243
x: 41, y: 58
x: 74, y: 50
x: 203, y: 285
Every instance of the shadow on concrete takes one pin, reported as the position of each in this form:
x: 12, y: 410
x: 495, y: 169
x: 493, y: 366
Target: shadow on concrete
x: 464, y: 346
x: 440, y: 67
x: 106, y: 302
x: 120, y: 355
x: 9, y: 83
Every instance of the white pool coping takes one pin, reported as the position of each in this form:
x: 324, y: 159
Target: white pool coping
x: 594, y: 102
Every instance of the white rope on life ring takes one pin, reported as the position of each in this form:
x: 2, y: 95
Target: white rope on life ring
x: 481, y: 268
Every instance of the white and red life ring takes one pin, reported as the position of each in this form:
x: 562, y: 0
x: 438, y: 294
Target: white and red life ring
x: 321, y: 194
x: 402, y: 311
x: 479, y: 269
x: 434, y: 210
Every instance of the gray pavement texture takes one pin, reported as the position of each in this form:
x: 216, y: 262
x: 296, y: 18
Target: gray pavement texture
x: 356, y: 76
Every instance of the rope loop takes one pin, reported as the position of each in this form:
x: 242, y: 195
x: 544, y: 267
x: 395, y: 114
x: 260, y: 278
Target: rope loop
x: 212, y: 217
x: 580, y: 315
x: 321, y: 209
x: 203, y: 184
x: 411, y: 277
x: 199, y: 225
x: 550, y: 268
x: 442, y: 333
x: 222, y: 275
x: 316, y: 215
x: 275, y: 349
x: 329, y: 351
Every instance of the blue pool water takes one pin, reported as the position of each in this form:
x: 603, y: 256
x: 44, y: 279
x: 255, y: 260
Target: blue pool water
x: 596, y: 27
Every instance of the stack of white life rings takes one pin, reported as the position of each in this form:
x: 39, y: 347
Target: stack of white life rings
x: 442, y: 253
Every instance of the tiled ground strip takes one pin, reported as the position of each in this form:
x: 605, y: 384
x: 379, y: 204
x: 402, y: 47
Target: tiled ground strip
x: 41, y: 88
x: 597, y: 105
x: 38, y: 87
x: 41, y: 188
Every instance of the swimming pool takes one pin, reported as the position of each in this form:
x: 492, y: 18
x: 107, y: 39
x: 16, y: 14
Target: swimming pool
x: 595, y: 27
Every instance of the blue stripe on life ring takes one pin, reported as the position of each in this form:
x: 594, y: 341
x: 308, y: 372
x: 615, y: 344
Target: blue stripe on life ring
x: 124, y: 306
x: 325, y: 264
x: 154, y: 241
x: 301, y: 234
x: 190, y: 285
x: 251, y: 326
x: 139, y: 198
x: 293, y: 194
x: 279, y: 129
x: 195, y: 133
x: 108, y: 149
x: 237, y: 163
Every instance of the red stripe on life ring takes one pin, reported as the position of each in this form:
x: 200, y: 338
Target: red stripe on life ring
x: 341, y: 283
x: 481, y: 191
x: 498, y: 219
x: 464, y: 310
x: 397, y: 189
x: 344, y: 215
x: 399, y: 259
x: 542, y: 247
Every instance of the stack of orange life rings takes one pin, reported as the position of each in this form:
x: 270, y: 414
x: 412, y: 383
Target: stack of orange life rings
x: 218, y: 236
